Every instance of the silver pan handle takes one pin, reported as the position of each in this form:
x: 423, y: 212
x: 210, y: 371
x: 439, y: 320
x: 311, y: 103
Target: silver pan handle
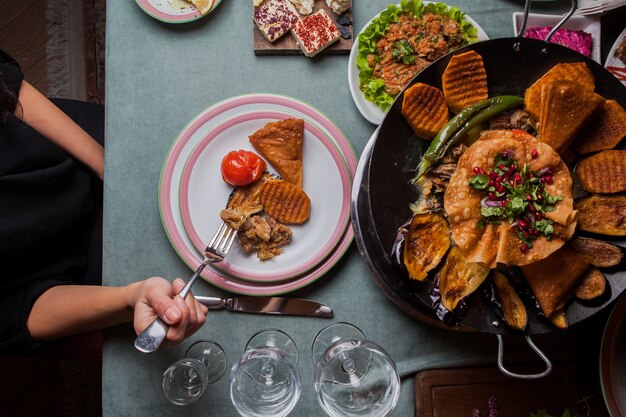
x: 534, y: 347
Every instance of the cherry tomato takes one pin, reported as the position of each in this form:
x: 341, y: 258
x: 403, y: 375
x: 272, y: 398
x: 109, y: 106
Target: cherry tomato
x: 242, y: 167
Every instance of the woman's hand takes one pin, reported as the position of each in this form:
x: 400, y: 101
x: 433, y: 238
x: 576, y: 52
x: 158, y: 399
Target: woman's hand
x: 156, y: 297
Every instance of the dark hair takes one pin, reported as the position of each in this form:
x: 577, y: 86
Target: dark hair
x: 8, y: 103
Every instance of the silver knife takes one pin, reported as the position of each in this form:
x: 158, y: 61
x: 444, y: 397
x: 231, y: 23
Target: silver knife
x: 268, y: 305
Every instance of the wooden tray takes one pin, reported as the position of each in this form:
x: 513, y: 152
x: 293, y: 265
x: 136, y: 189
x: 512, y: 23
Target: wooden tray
x: 287, y: 44
x: 456, y: 392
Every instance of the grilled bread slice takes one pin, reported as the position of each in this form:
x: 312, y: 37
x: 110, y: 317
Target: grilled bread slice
x: 285, y: 202
x: 602, y: 214
x: 281, y: 144
x: 565, y: 109
x: 424, y: 108
x: 464, y: 81
x: 605, y: 131
x: 576, y: 71
x: 603, y: 173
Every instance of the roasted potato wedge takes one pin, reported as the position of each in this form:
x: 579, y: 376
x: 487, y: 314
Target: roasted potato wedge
x: 425, y: 244
x: 599, y: 253
x: 559, y: 319
x: 605, y: 215
x: 565, y: 110
x: 604, y: 131
x: 424, y: 108
x: 591, y: 285
x: 285, y: 202
x: 603, y: 173
x: 464, y: 81
x: 459, y: 278
x: 575, y: 71
x: 515, y: 314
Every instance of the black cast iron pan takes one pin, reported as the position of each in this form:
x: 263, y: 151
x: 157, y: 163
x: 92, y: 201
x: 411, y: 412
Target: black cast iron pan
x: 383, y: 196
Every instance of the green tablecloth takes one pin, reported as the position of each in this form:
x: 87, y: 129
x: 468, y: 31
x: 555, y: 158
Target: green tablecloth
x: 159, y: 76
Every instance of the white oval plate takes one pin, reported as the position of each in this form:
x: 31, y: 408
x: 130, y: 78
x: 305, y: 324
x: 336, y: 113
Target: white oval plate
x: 203, y: 194
x: 173, y: 11
x: 614, y: 65
x: 369, y: 110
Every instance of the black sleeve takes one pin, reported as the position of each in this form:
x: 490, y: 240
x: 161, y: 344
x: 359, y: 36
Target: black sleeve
x: 10, y: 73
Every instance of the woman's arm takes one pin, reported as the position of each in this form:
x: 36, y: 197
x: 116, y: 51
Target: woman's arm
x: 70, y: 309
x: 47, y: 119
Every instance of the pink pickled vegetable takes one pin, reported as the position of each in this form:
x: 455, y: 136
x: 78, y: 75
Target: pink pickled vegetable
x: 577, y: 40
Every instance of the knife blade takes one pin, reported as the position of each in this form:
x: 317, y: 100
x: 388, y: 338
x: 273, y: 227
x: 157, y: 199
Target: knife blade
x: 268, y: 305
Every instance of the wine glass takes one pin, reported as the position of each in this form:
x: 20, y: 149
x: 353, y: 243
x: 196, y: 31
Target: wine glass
x: 354, y: 377
x: 265, y: 381
x: 186, y: 380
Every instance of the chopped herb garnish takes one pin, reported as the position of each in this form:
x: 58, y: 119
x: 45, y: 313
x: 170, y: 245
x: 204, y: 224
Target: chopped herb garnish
x: 402, y: 51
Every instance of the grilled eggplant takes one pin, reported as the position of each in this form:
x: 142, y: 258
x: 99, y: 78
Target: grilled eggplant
x: 426, y: 243
x: 605, y: 215
x: 512, y: 306
x: 591, y: 285
x: 459, y: 278
x: 599, y: 253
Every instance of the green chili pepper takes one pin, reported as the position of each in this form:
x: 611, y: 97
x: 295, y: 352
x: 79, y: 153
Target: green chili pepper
x: 460, y: 124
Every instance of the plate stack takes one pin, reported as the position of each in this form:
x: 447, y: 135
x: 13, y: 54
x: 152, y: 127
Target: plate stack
x: 192, y: 192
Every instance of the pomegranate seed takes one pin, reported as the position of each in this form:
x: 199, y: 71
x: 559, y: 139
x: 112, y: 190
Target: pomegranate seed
x: 531, y: 208
x: 523, y: 224
x: 539, y: 197
x: 529, y: 197
x: 511, y: 183
x: 531, y: 175
x: 491, y: 183
x: 476, y: 170
x: 492, y: 196
x: 500, y: 188
x: 524, y: 248
x: 538, y: 215
x: 526, y: 234
x: 493, y: 175
x: 505, y: 154
x: 534, y: 153
x: 548, y: 179
x: 501, y: 167
x: 518, y: 178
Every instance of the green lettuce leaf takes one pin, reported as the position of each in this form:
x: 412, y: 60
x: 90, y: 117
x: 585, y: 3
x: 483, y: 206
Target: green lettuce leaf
x: 373, y: 88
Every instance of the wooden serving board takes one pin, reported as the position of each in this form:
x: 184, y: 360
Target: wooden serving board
x: 286, y: 45
x: 456, y: 392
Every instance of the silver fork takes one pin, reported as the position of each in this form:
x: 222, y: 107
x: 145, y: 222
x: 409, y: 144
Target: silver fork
x: 151, y: 338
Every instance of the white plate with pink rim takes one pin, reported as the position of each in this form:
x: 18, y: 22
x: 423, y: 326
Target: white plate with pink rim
x: 171, y: 178
x: 326, y: 180
x: 370, y: 111
x: 613, y: 64
x: 173, y: 11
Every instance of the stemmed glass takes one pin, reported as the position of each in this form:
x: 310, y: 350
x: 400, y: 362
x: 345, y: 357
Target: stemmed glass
x: 354, y: 377
x: 186, y: 380
x: 265, y: 380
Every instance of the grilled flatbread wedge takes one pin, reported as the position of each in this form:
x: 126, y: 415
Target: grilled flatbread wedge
x: 603, y: 173
x: 604, y: 131
x: 576, y: 71
x: 424, y: 108
x: 553, y: 279
x: 565, y: 109
x: 603, y: 214
x: 464, y: 81
x: 281, y: 144
x: 426, y: 243
x: 285, y: 202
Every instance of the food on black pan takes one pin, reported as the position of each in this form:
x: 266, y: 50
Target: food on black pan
x: 598, y: 252
x: 603, y: 173
x: 554, y: 278
x: 604, y: 131
x: 602, y: 214
x: 577, y: 71
x: 459, y: 278
x: 464, y: 81
x: 591, y: 285
x: 559, y: 319
x: 510, y: 200
x: 424, y: 108
x: 565, y: 110
x: 426, y: 242
x: 512, y: 306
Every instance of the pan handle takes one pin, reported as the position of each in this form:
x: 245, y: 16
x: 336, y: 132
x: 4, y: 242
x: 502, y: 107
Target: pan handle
x: 565, y: 18
x: 534, y: 347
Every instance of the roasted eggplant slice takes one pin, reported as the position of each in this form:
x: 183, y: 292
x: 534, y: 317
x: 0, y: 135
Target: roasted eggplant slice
x: 591, y: 285
x: 605, y: 215
x: 512, y: 306
x: 598, y: 252
x: 559, y: 319
x: 426, y: 243
x: 459, y: 278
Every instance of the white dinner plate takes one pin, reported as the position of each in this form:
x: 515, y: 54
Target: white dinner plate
x: 181, y: 149
x: 369, y: 110
x: 614, y: 65
x: 326, y: 180
x: 589, y: 24
x: 613, y: 360
x: 173, y: 11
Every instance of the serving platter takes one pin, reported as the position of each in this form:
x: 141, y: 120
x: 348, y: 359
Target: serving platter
x: 171, y: 177
x: 173, y: 11
x: 326, y: 181
x: 370, y: 111
x: 385, y: 194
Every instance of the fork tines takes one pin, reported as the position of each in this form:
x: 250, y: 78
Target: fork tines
x: 221, y: 242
